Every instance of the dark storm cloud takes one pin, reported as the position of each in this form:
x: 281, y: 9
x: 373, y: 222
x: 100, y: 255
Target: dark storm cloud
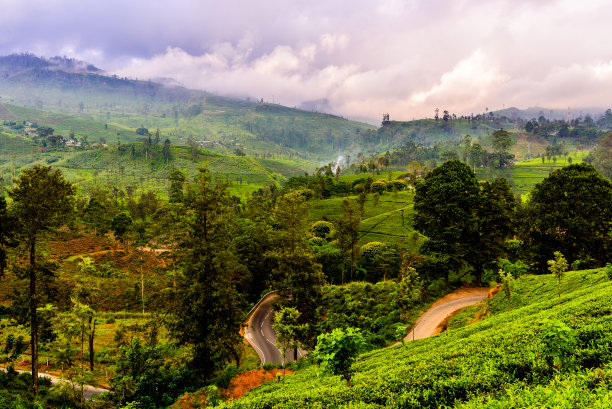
x: 362, y: 57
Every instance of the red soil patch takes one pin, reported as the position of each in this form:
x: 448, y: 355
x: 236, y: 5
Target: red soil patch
x: 238, y: 386
x: 82, y: 245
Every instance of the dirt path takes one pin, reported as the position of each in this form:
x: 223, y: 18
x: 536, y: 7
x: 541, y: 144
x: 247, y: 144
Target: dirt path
x: 427, y: 324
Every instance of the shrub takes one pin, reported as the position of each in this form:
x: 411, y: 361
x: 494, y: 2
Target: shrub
x: 398, y: 184
x: 322, y: 229
x: 379, y: 186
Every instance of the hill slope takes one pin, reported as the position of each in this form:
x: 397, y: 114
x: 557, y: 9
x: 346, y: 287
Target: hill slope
x: 500, y: 359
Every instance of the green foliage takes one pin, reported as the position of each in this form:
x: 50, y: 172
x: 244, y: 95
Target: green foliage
x: 380, y: 186
x: 608, y: 270
x: 558, y: 267
x: 210, y: 313
x: 507, y: 282
x: 322, y: 229
x: 336, y: 351
x: 288, y: 329
x: 558, y: 343
x: 120, y: 225
x: 570, y: 211
x: 444, y: 203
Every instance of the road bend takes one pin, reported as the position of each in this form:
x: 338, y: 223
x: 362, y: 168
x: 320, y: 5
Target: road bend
x: 262, y: 337
x: 428, y: 323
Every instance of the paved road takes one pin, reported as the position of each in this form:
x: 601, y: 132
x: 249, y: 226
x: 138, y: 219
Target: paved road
x: 88, y: 391
x: 428, y: 322
x: 262, y: 337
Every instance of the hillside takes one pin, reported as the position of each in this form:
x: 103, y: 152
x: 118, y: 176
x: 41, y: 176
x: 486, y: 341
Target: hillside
x: 493, y: 363
x: 123, y: 104
x: 127, y: 166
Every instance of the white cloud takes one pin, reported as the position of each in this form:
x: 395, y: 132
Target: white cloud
x: 404, y: 57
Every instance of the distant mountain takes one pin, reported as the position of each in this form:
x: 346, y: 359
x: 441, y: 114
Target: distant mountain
x: 26, y: 61
x: 536, y: 112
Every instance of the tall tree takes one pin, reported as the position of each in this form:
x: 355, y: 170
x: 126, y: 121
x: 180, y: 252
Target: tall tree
x: 444, y: 203
x: 209, y: 312
x: 495, y: 217
x: 42, y: 201
x: 177, y: 180
x: 348, y: 233
x: 298, y: 277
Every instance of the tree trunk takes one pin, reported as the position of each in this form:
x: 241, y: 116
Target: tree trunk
x: 33, y: 316
x: 90, y: 339
x: 295, y: 354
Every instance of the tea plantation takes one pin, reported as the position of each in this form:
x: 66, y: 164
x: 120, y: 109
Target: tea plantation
x: 533, y: 350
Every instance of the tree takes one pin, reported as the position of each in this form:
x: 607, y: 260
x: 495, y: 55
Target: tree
x: 444, y: 203
x: 495, y: 217
x: 177, y: 180
x: 348, y: 232
x: 476, y: 155
x: 166, y: 150
x: 558, y: 267
x: 120, y: 225
x: 209, y: 314
x: 7, y: 234
x: 298, y: 277
x: 569, y: 211
x: 42, y: 201
x: 288, y: 330
x: 336, y: 351
x: 602, y: 155
x: 96, y: 215
x: 502, y: 140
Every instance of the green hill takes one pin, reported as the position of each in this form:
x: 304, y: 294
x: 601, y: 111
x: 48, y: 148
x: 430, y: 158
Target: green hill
x: 505, y: 360
x: 260, y: 128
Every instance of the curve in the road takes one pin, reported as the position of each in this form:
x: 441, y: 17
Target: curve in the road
x: 427, y: 324
x: 262, y: 337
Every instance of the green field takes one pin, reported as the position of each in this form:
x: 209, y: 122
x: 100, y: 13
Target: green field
x: 390, y: 221
x: 526, y: 174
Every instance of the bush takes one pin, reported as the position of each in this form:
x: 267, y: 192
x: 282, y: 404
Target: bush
x: 379, y: 186
x: 398, y: 184
x: 322, y: 229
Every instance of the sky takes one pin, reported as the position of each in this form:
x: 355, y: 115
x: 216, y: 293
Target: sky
x: 356, y: 58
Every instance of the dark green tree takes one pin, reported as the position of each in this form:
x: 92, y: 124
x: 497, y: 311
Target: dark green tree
x: 120, y: 225
x: 96, y: 215
x: 298, y: 277
x: 42, y: 201
x: 166, y: 150
x: 495, y: 218
x: 177, y: 180
x: 444, y: 203
x: 570, y: 211
x: 209, y: 311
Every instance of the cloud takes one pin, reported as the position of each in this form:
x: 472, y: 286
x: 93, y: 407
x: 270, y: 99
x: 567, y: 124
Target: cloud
x: 405, y: 57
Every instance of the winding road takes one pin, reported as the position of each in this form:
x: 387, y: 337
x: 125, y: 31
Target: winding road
x: 429, y: 322
x: 262, y: 337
